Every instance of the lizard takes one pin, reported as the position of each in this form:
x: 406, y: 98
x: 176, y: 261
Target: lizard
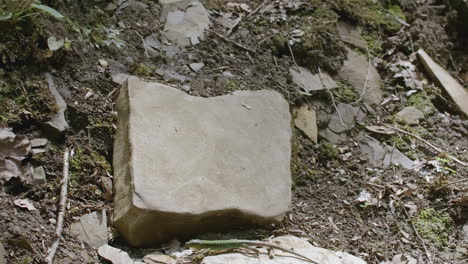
x: 238, y: 243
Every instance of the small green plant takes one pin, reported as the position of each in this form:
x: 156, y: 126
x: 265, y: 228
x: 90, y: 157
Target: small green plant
x: 13, y: 11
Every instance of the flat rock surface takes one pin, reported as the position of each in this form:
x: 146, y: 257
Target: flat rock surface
x: 91, y: 229
x: 306, y: 120
x: 186, y: 164
x: 456, y: 91
x: 409, y: 115
x: 356, y: 70
x: 298, y: 245
x: 309, y: 82
x: 351, y: 34
x: 185, y: 22
x: 381, y: 155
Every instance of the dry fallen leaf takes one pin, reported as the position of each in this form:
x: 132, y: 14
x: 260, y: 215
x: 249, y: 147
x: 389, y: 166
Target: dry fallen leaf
x: 13, y: 150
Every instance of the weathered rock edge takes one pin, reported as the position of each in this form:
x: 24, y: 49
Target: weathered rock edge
x: 143, y: 227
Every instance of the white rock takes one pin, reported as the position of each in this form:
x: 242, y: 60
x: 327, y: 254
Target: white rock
x: 301, y: 246
x: 116, y: 256
x: 184, y: 164
x: 196, y: 66
x: 187, y: 26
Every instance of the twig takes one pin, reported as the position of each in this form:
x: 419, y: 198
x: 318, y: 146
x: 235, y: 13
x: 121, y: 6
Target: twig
x: 450, y: 183
x: 332, y: 97
x: 239, y: 19
x: 428, y: 255
x: 257, y: 9
x: 292, y: 55
x: 427, y: 143
x: 144, y: 43
x: 232, y: 41
x: 63, y: 200
x: 368, y: 69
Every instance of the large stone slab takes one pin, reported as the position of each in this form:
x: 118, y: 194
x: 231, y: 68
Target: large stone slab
x: 186, y: 164
x: 456, y: 91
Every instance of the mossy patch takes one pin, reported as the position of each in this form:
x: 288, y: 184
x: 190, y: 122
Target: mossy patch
x: 422, y: 101
x: 328, y: 150
x: 433, y: 226
x: 139, y: 69
x: 25, y: 98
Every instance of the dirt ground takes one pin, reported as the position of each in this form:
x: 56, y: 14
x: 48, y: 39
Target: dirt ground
x: 327, y: 180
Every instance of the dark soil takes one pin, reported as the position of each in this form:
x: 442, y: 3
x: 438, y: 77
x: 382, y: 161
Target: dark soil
x: 326, y: 184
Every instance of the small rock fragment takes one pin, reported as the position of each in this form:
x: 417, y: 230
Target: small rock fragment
x: 185, y: 27
x: 306, y: 120
x: 107, y: 186
x: 356, y: 70
x: 119, y: 78
x: 196, y: 66
x: 24, y: 203
x: 311, y: 82
x: 13, y: 150
x: 349, y: 114
x: 38, y: 142
x: 169, y: 76
x: 409, y: 115
x: 351, y: 34
x: 57, y: 125
x: 39, y: 176
x: 381, y: 155
x: 36, y: 151
x: 158, y: 257
x: 116, y: 256
x: 91, y: 229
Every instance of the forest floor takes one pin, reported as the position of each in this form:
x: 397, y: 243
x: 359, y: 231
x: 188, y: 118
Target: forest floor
x: 415, y: 213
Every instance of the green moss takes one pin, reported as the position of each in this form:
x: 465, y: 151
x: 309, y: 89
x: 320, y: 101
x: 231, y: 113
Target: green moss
x: 346, y: 93
x: 84, y: 161
x: 25, y: 98
x: 433, y: 226
x: 26, y: 260
x: 422, y: 101
x: 140, y: 69
x: 328, y: 150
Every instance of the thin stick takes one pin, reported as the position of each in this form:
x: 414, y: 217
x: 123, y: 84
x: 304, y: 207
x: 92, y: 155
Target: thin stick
x: 144, y: 43
x: 239, y: 19
x: 450, y: 183
x: 63, y: 201
x: 427, y: 143
x: 332, y: 97
x: 257, y: 9
x: 368, y: 70
x: 292, y: 55
x: 232, y: 41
